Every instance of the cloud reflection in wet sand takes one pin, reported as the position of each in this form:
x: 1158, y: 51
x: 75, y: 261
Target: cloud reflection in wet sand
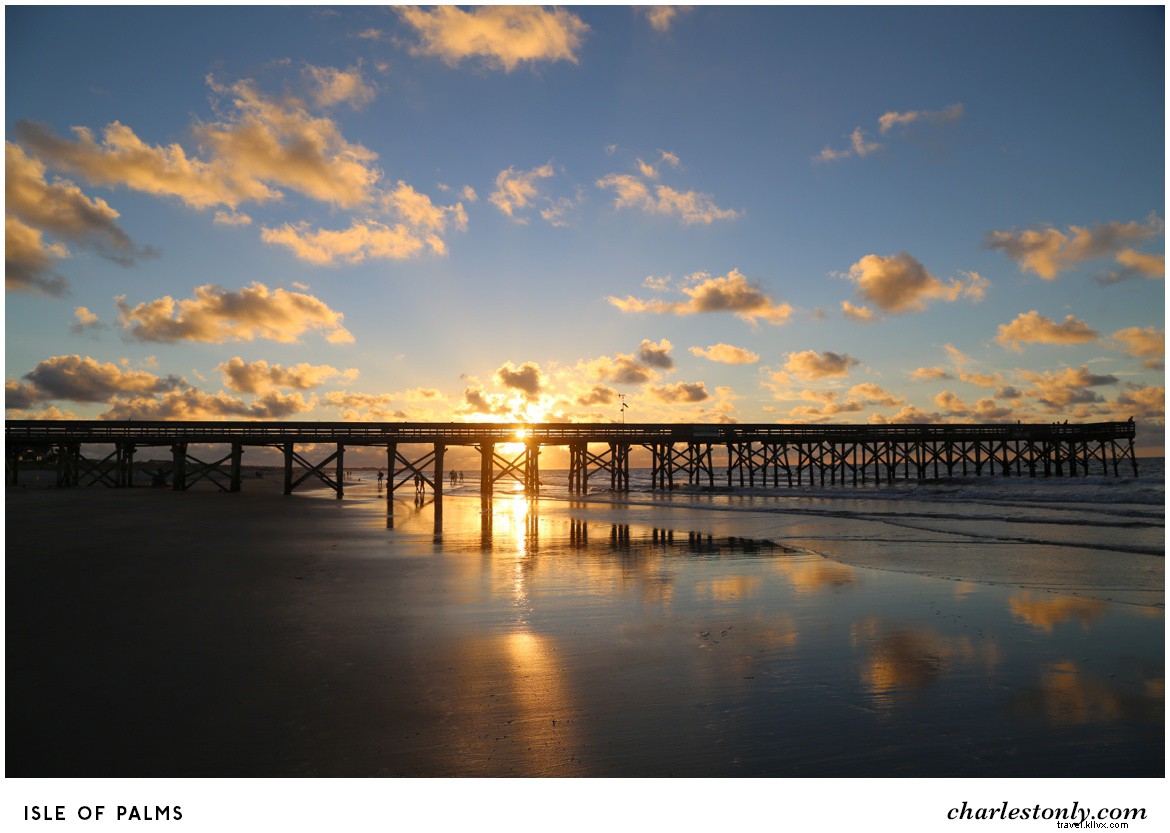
x: 1045, y: 612
x: 901, y: 658
x: 1070, y: 695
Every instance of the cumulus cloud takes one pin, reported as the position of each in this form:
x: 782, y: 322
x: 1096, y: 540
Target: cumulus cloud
x: 192, y: 403
x: 732, y: 293
x: 1046, y: 251
x: 621, y: 369
x: 726, y: 354
x: 1143, y: 401
x: 809, y: 364
x: 688, y: 392
x: 29, y: 260
x: 258, y: 146
x: 364, y: 407
x: 260, y: 376
x: 691, y: 207
x: 83, y: 379
x: 502, y: 37
x: 984, y: 410
x: 1070, y: 386
x: 527, y: 378
x: 1148, y: 343
x: 1033, y: 328
x: 910, y: 415
x: 656, y: 354
x: 362, y: 240
x: 329, y: 86
x: 930, y: 374
x: 85, y: 321
x: 873, y: 394
x: 899, y: 283
x: 517, y: 190
x: 1135, y: 264
x: 856, y: 313
x: 59, y: 208
x: 888, y: 121
x: 596, y: 395
x: 661, y: 18
x: 216, y: 315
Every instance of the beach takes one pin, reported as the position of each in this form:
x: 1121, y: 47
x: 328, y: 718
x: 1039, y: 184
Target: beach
x: 965, y: 628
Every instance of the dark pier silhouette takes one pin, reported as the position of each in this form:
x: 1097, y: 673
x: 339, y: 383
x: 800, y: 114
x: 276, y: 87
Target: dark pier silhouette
x: 772, y: 456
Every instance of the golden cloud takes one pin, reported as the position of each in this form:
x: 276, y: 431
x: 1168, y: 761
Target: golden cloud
x: 1033, y: 328
x: 501, y: 36
x: 899, y: 283
x: 726, y: 354
x: 216, y: 315
x: 732, y: 293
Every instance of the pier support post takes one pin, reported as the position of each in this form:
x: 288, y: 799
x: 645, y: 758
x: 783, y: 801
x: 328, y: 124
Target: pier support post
x: 288, y: 468
x: 487, y: 452
x: 237, y: 458
x: 179, y: 467
x: 440, y: 450
x: 126, y: 465
x: 340, y: 471
x: 532, y: 468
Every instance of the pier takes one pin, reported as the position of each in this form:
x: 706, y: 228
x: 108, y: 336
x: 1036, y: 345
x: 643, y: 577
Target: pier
x: 99, y: 452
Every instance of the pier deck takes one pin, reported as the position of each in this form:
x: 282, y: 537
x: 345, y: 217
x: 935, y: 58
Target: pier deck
x: 767, y: 455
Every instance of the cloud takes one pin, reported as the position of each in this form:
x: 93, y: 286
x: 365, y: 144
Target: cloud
x: 1143, y: 402
x: 364, y: 407
x: 260, y: 376
x: 216, y: 315
x: 503, y: 37
x: 329, y: 87
x: 85, y: 321
x: 526, y: 378
x: 232, y: 218
x: 983, y: 380
x: 518, y: 189
x: 656, y: 354
x: 29, y: 260
x: 48, y: 412
x: 985, y: 410
x: 910, y: 415
x: 83, y: 379
x: 1047, y: 252
x: 899, y: 283
x: 1070, y: 386
x: 362, y: 240
x: 1148, y: 344
x: 621, y: 369
x: 812, y: 365
x: 661, y: 18
x: 1135, y: 264
x: 258, y: 146
x: 929, y: 374
x: 873, y: 394
x: 691, y: 207
x: 856, y: 313
x: 597, y: 395
x: 60, y: 208
x: 1034, y: 328
x: 726, y: 354
x: 417, y: 210
x: 887, y: 121
x: 732, y: 293
x: 689, y: 392
x: 858, y: 146
x: 192, y: 403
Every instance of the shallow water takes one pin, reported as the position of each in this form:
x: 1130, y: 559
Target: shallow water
x: 634, y: 648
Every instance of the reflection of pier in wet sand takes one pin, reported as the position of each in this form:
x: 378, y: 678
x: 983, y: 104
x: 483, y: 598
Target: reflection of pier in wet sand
x: 769, y: 456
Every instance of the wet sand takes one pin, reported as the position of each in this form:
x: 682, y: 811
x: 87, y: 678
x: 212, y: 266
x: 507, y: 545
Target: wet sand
x: 203, y: 634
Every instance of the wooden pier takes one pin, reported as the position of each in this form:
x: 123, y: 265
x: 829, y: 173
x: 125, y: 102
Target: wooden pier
x: 767, y: 456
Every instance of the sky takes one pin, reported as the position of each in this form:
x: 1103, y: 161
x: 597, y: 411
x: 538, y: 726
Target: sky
x: 762, y: 215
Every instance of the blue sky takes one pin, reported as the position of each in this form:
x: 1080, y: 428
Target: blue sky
x: 1014, y: 156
